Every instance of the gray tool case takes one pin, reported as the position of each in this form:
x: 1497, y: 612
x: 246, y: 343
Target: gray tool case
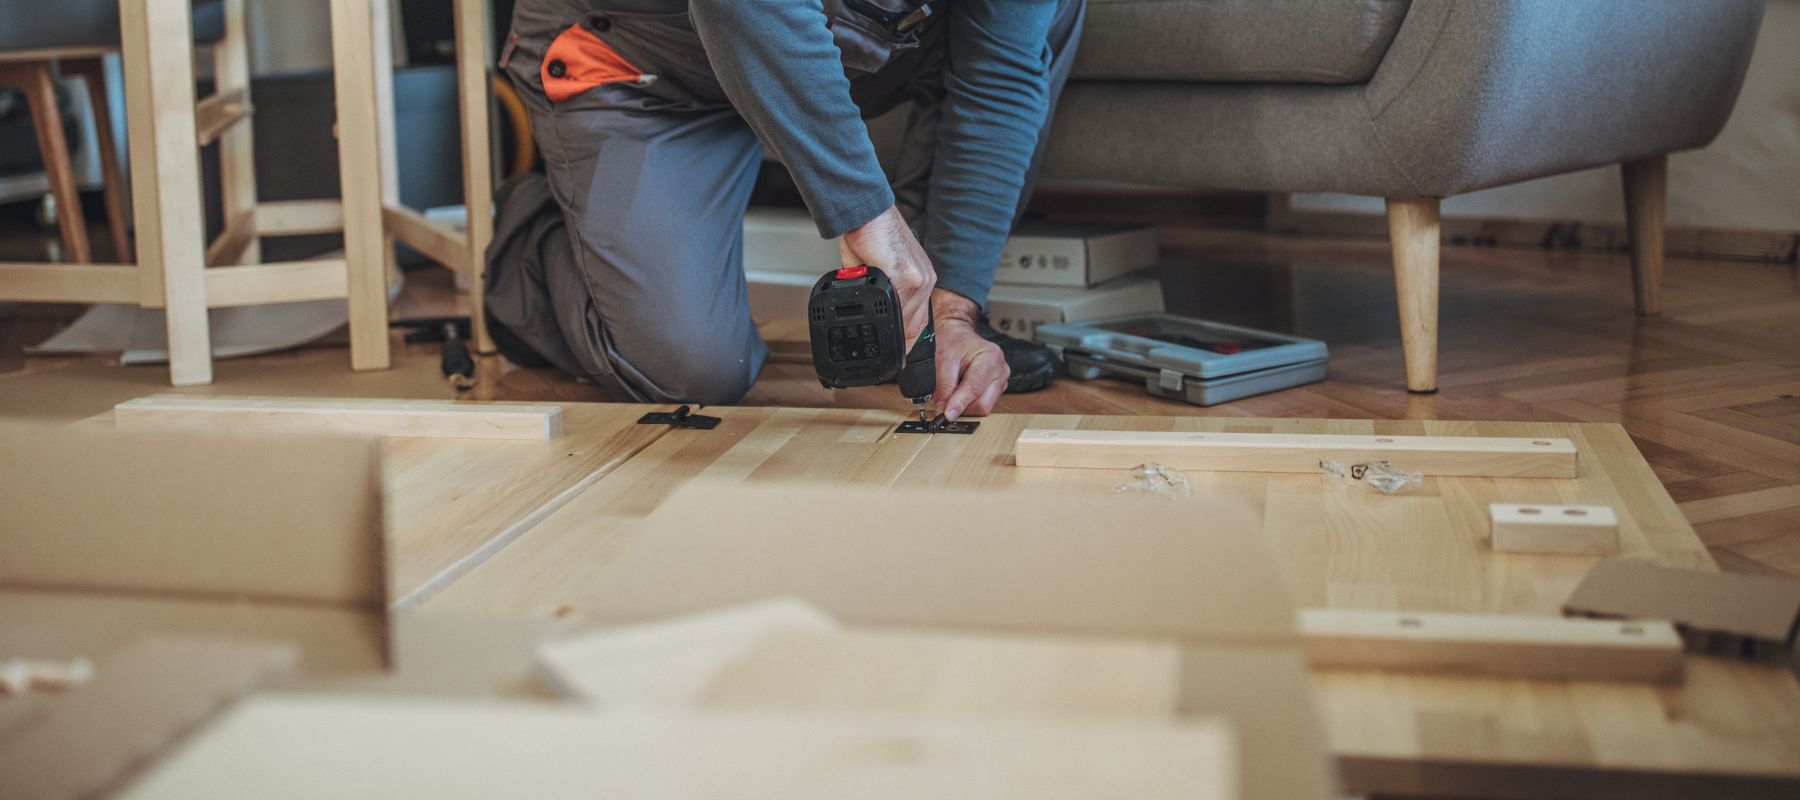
x: 1185, y: 359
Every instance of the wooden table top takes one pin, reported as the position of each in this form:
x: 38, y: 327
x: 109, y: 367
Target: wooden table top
x: 1732, y: 727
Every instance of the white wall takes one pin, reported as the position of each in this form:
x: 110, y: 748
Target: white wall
x: 1747, y: 178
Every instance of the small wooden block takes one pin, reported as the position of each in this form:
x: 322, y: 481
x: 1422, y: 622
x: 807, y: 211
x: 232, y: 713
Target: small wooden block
x: 420, y: 418
x: 1546, y: 528
x: 1487, y: 645
x: 1477, y: 456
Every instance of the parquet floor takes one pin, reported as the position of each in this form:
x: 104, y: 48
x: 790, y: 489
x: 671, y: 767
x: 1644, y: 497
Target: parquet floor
x: 1710, y: 391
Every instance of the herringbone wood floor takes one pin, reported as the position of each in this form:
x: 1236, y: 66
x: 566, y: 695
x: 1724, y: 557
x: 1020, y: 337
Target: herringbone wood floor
x: 1710, y: 390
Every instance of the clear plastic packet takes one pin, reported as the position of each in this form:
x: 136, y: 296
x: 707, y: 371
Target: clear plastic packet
x: 1384, y: 477
x: 1156, y: 480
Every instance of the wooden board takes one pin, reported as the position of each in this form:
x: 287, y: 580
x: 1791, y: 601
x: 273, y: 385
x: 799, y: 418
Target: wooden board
x: 454, y: 502
x: 304, y: 747
x: 1731, y: 728
x: 1747, y: 616
x: 1496, y: 645
x: 1470, y: 456
x: 427, y: 418
x: 1553, y: 528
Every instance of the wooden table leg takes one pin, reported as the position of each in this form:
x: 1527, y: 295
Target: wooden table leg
x: 40, y: 93
x: 92, y: 71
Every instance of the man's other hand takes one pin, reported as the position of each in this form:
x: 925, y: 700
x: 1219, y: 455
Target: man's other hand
x: 971, y: 371
x: 887, y: 244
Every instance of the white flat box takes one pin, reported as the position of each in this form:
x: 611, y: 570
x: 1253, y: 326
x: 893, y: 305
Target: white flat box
x: 1075, y: 254
x: 1066, y: 254
x: 1013, y: 310
x: 1551, y: 528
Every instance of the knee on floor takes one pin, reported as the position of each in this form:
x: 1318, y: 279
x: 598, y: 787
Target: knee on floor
x: 700, y: 369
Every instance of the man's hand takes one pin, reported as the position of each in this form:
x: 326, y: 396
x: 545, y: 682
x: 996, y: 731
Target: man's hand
x: 887, y: 244
x: 971, y: 372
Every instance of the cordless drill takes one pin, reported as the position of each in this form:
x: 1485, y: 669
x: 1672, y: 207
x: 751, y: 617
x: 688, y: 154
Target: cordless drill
x: 859, y: 338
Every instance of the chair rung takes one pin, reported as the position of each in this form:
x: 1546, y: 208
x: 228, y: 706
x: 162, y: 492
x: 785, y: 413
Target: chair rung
x: 216, y: 114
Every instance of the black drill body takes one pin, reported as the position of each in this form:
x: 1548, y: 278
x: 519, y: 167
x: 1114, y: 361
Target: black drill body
x: 854, y: 319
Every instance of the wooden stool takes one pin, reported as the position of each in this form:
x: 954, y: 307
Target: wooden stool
x: 178, y: 271
x: 32, y: 72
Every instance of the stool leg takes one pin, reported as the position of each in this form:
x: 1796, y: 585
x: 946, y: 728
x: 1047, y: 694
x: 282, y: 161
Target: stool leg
x: 472, y: 58
x: 359, y: 160
x: 158, y: 44
x: 93, y: 73
x: 237, y: 157
x: 53, y: 146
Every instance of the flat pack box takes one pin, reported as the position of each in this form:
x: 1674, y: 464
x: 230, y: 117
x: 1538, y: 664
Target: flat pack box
x: 1039, y: 253
x: 1013, y: 563
x: 1016, y: 311
x: 189, y: 570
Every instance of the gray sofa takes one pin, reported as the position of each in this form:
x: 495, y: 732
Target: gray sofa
x: 1410, y: 101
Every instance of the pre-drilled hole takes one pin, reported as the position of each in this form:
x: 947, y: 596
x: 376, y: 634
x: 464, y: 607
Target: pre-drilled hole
x: 1384, y: 440
x: 1574, y: 512
x: 1411, y: 622
x: 1541, y: 444
x: 1531, y: 511
x: 1631, y: 630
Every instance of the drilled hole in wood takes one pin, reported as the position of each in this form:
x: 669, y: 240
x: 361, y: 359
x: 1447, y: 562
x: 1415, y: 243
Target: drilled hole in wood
x: 1384, y: 440
x: 1541, y: 444
x: 1574, y: 512
x: 1631, y: 630
x: 1411, y: 622
x: 1531, y: 511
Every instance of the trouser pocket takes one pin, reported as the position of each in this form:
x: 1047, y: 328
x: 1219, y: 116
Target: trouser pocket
x: 578, y: 61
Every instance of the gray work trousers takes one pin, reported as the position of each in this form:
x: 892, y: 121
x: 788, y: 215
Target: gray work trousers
x: 640, y: 288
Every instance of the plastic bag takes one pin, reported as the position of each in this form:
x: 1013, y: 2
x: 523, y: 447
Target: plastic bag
x: 1384, y: 477
x: 1157, y: 480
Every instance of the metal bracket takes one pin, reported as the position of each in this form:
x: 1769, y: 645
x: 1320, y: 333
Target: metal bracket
x: 682, y: 417
x: 939, y: 425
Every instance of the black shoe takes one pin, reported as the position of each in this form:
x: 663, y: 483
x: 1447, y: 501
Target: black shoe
x: 1033, y: 365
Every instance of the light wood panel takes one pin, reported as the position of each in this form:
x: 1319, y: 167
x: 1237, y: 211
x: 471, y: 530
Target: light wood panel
x: 1730, y: 727
x: 1493, y: 645
x: 453, y: 503
x: 424, y: 418
x: 1547, y: 528
x: 1471, y: 456
x: 306, y: 747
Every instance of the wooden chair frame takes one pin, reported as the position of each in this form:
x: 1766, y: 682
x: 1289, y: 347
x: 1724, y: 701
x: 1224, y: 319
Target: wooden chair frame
x: 178, y: 271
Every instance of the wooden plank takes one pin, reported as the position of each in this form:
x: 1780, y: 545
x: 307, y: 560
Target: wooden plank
x: 165, y: 174
x: 428, y: 418
x: 90, y: 742
x: 233, y: 242
x: 68, y: 283
x: 1746, y: 616
x: 282, y: 282
x: 1493, y: 645
x: 294, y: 747
x: 299, y: 217
x: 1553, y: 528
x: 473, y: 44
x: 359, y: 171
x: 237, y: 157
x: 440, y: 244
x: 216, y: 114
x: 1469, y: 456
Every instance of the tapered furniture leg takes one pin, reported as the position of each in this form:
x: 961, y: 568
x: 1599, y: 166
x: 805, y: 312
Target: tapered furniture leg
x: 359, y: 177
x: 1413, y: 233
x: 1646, y: 205
x: 112, y: 178
x: 40, y: 94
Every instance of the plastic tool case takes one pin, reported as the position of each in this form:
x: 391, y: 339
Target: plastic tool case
x: 1191, y: 360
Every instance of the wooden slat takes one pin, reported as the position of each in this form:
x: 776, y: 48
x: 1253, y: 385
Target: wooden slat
x: 216, y: 114
x: 57, y: 53
x: 473, y: 42
x: 440, y: 244
x: 165, y: 174
x: 1553, y: 528
x: 1489, y: 645
x: 319, y: 746
x: 234, y: 241
x: 299, y: 217
x: 427, y: 418
x: 68, y: 283
x: 1468, y: 456
x: 282, y: 282
x: 359, y: 168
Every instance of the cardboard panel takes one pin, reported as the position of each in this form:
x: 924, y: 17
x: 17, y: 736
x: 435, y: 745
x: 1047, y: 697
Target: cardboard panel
x: 283, y: 518
x: 1020, y: 561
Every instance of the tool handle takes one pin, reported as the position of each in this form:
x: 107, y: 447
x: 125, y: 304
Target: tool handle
x: 918, y: 377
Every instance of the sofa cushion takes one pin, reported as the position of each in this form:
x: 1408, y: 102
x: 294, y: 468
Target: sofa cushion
x: 1263, y: 41
x: 33, y: 24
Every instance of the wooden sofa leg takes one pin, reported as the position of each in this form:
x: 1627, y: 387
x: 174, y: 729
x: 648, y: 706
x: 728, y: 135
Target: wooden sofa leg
x: 1413, y: 234
x: 1646, y: 202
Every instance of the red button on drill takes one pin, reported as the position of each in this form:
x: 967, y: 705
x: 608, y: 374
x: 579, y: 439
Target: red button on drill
x: 848, y: 273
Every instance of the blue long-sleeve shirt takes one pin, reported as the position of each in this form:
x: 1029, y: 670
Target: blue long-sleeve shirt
x: 780, y: 67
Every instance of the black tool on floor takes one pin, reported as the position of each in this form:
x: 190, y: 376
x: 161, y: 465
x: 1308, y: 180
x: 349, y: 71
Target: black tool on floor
x: 682, y: 417
x: 457, y: 364
x: 859, y: 339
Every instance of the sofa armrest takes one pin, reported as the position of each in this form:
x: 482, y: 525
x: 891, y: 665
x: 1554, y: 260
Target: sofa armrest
x: 1468, y: 86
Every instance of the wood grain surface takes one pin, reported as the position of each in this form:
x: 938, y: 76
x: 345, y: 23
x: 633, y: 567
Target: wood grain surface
x: 1732, y: 727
